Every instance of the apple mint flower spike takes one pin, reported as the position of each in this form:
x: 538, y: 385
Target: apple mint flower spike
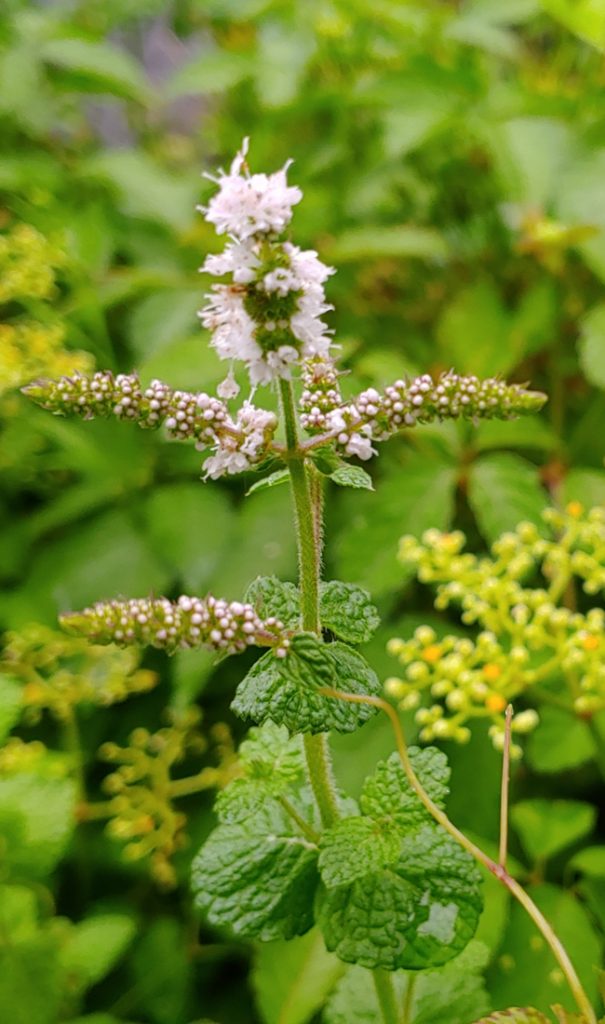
x: 270, y: 314
x: 238, y: 443
x: 228, y: 627
x: 377, y: 415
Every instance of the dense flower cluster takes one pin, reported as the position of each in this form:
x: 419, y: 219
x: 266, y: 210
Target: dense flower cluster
x: 270, y: 316
x: 377, y: 415
x: 223, y: 626
x: 59, y: 672
x: 142, y: 789
x: 238, y: 443
x: 527, y: 636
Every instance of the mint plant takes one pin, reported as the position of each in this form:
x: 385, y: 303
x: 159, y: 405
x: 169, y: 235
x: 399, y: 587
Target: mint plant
x: 390, y: 882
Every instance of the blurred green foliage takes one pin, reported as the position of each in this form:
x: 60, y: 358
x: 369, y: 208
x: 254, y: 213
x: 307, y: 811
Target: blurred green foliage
x: 452, y: 157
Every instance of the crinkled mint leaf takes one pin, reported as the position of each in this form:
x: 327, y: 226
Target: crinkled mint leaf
x: 270, y: 762
x: 286, y: 689
x: 388, y: 794
x: 270, y: 596
x: 453, y: 994
x: 280, y: 476
x: 257, y: 876
x: 347, y: 611
x: 417, y: 913
x: 355, y: 847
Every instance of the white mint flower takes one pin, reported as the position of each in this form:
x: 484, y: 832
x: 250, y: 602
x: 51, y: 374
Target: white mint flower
x: 228, y: 388
x: 238, y: 258
x: 250, y: 204
x: 232, y: 327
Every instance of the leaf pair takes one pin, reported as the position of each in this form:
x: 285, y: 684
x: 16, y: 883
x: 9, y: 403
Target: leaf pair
x: 344, y: 609
x: 396, y: 891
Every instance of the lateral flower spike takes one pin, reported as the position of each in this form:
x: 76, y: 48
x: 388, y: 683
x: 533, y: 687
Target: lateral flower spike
x: 238, y: 443
x: 228, y: 627
x: 377, y: 415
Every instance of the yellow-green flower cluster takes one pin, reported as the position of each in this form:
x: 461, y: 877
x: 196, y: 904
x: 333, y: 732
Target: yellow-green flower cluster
x: 528, y: 635
x: 142, y: 788
x: 29, y: 347
x: 58, y: 672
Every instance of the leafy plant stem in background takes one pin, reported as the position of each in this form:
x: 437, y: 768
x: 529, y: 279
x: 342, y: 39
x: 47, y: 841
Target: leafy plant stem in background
x: 383, y: 984
x: 516, y: 890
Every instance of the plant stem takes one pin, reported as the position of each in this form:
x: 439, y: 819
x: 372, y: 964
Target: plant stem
x: 308, y: 538
x: 504, y: 789
x: 408, y: 999
x: 383, y: 983
x: 516, y: 890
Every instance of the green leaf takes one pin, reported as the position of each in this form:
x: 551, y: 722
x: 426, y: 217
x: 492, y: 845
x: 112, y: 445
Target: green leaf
x: 18, y: 911
x: 97, y: 67
x: 158, y: 320
x: 474, y: 335
x: 347, y: 611
x: 94, y: 946
x: 286, y: 689
x: 387, y: 794
x: 352, y: 476
x: 504, y: 489
x: 453, y: 994
x: 142, y: 188
x: 272, y: 597
x: 415, y: 496
x: 585, y: 18
x: 584, y: 485
x: 213, y: 72
x: 416, y: 913
x: 561, y: 742
x: 592, y: 345
x: 31, y: 980
x: 516, y: 1015
x: 545, y: 827
x: 37, y: 818
x: 401, y: 240
x: 192, y: 526
x: 525, y: 970
x: 271, y: 762
x: 258, y: 876
x: 590, y: 861
x: 162, y: 968
x: 10, y: 704
x: 355, y: 847
x: 394, y: 865
x: 292, y: 979
x: 280, y: 476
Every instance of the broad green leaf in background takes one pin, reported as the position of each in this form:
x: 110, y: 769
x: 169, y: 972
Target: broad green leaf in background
x: 453, y: 994
x: 531, y: 152
x: 214, y: 71
x: 586, y: 18
x: 503, y: 490
x: 584, y: 485
x: 97, y: 67
x: 292, y: 979
x: 525, y: 971
x: 159, y: 320
x: 590, y: 861
x: 286, y: 689
x: 31, y: 980
x: 413, y: 497
x: 474, y: 332
x: 94, y: 946
x: 561, y: 742
x: 280, y: 66
x: 37, y: 818
x: 347, y: 611
x: 143, y: 188
x: 190, y: 525
x: 403, y: 240
x: 545, y: 827
x: 10, y: 704
x: 592, y: 345
x: 162, y: 970
x: 258, y: 876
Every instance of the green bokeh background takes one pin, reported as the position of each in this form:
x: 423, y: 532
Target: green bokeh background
x: 452, y: 158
